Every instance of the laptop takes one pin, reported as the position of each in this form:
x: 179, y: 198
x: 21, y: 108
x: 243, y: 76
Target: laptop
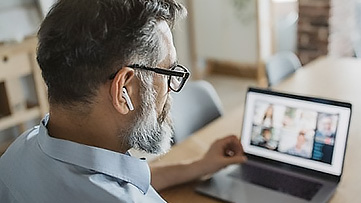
x: 295, y: 147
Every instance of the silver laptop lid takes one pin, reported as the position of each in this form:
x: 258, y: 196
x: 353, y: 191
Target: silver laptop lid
x: 298, y: 130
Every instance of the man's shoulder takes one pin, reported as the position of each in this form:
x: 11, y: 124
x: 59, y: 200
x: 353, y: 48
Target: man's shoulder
x: 21, y: 144
x: 13, y: 163
x: 29, y: 174
x: 20, y: 151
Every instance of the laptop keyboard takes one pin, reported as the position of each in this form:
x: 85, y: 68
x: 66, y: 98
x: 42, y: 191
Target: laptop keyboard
x: 274, y: 180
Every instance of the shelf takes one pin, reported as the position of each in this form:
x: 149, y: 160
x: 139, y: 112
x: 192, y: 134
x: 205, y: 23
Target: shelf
x: 20, y: 117
x: 23, y: 97
x: 14, y: 66
x: 15, y: 59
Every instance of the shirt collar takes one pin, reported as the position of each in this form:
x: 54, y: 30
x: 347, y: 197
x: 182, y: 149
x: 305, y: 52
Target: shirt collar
x: 121, y: 166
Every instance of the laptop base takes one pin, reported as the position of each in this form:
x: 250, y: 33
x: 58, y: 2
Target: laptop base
x: 222, y: 186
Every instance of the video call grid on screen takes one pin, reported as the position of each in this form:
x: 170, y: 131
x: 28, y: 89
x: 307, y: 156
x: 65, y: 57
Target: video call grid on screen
x: 303, y: 133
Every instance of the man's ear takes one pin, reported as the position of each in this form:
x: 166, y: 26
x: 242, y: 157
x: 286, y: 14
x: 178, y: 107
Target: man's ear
x: 121, y: 79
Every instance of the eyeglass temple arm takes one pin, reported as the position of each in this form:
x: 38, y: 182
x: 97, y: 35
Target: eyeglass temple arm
x: 160, y: 70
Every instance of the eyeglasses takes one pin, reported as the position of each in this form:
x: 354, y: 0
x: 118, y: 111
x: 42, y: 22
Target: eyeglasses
x: 177, y: 75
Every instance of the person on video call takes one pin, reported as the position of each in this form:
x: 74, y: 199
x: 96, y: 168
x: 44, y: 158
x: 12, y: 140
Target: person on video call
x: 325, y: 128
x: 264, y: 139
x: 109, y: 66
x: 325, y: 138
x: 299, y: 148
x: 267, y: 120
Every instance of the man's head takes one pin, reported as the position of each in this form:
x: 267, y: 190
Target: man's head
x: 267, y: 134
x: 87, y: 45
x: 82, y: 42
x: 301, y: 139
x: 326, y: 125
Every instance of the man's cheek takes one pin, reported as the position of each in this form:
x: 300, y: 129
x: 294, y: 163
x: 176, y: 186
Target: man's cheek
x: 166, y: 109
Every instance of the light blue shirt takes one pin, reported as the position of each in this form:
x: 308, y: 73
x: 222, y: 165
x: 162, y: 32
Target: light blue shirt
x: 39, y: 168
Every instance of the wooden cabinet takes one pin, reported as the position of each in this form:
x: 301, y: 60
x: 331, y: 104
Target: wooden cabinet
x: 22, y: 90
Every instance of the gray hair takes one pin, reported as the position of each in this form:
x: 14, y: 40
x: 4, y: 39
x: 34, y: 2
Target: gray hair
x: 83, y: 42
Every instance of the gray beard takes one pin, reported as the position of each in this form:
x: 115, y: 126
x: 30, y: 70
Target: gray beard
x: 151, y: 133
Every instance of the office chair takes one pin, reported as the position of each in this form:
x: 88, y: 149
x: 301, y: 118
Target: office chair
x: 194, y: 107
x: 280, y: 66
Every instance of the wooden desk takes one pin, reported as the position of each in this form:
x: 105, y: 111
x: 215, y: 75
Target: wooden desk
x: 325, y: 77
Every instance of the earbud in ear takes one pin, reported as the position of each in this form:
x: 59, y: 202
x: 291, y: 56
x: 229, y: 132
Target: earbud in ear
x: 127, y: 99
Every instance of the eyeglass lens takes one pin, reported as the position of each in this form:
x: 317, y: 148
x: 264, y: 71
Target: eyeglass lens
x: 175, y: 81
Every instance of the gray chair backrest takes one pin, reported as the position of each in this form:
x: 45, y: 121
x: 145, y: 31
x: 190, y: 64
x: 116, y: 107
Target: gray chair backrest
x: 195, y: 106
x: 280, y: 66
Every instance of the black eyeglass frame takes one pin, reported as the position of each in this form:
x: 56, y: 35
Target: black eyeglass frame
x: 169, y: 72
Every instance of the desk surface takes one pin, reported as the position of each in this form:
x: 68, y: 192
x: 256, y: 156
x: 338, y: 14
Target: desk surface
x: 326, y: 77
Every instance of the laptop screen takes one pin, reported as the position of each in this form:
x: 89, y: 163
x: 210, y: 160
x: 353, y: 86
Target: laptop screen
x: 302, y: 131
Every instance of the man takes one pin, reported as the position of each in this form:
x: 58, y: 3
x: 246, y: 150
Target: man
x: 324, y: 128
x: 109, y: 66
x: 299, y: 148
x: 265, y: 139
x: 324, y: 139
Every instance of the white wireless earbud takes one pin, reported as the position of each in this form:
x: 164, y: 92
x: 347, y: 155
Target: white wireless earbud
x: 127, y: 99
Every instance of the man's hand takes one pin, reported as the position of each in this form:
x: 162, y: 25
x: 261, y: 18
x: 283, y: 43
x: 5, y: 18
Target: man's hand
x: 222, y: 153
